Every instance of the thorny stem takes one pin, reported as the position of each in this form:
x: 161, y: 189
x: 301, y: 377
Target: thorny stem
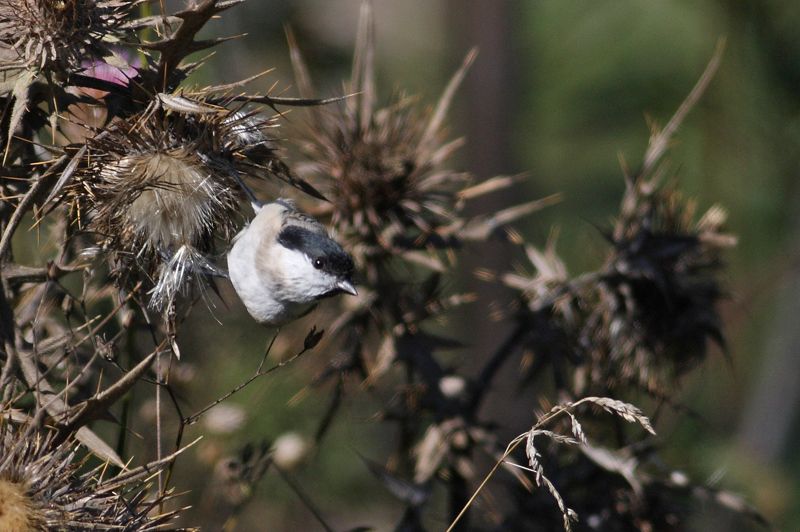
x: 513, y: 342
x: 497, y: 360
x: 162, y: 379
x: 294, y: 102
x: 179, y: 436
x: 126, y: 401
x: 146, y: 469
x: 330, y: 412
x: 406, y: 439
x: 304, y: 498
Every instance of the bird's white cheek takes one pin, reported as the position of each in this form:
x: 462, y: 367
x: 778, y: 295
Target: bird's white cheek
x: 297, y: 279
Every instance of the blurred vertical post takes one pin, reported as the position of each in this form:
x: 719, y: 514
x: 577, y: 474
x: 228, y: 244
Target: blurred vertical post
x: 488, y: 96
x: 772, y: 410
x: 490, y: 88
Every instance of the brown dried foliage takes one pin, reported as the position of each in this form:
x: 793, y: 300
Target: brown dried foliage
x: 149, y: 176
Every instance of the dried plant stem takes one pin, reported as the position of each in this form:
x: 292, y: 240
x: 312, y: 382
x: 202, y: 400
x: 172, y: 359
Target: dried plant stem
x: 7, y: 375
x: 126, y: 401
x: 158, y: 422
x: 304, y: 498
x: 484, y: 380
x: 510, y: 449
x: 143, y: 471
x: 660, y: 141
x: 179, y: 436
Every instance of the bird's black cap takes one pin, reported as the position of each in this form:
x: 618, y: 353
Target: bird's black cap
x: 324, y: 253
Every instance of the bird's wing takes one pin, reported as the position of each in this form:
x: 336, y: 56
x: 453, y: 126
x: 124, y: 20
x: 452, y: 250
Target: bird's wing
x: 300, y: 219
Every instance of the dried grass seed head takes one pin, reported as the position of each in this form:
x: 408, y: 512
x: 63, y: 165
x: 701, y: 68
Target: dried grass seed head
x: 159, y: 188
x: 57, y: 35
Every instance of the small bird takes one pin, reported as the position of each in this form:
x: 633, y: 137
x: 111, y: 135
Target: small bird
x: 283, y: 262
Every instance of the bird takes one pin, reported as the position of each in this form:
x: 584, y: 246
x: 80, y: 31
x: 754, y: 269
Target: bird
x: 284, y: 262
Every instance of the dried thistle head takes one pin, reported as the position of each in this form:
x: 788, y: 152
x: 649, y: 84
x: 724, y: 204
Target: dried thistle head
x: 57, y: 35
x: 647, y: 315
x: 392, y: 197
x: 396, y: 204
x: 159, y: 187
x: 657, y: 309
x: 41, y: 488
x: 383, y: 169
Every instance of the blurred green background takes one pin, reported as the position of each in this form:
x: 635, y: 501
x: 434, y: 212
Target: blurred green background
x: 560, y: 90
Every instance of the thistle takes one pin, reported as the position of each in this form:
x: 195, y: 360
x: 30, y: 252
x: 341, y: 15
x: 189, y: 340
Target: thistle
x: 41, y: 488
x: 383, y: 170
x: 159, y: 187
x: 392, y: 198
x: 397, y: 204
x: 646, y: 316
x: 657, y: 310
x: 57, y: 35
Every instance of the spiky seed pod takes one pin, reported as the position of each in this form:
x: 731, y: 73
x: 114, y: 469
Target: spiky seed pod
x: 57, y: 35
x: 383, y: 169
x: 159, y: 187
x: 645, y: 317
x: 382, y: 187
x: 658, y: 301
x: 42, y: 489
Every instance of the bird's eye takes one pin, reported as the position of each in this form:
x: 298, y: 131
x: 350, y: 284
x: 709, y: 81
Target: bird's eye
x: 319, y: 263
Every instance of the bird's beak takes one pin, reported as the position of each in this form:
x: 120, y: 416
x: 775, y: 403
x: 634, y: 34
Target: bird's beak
x: 346, y: 286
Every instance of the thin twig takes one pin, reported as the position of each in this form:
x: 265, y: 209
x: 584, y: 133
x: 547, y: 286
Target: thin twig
x: 158, y: 422
x: 260, y: 372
